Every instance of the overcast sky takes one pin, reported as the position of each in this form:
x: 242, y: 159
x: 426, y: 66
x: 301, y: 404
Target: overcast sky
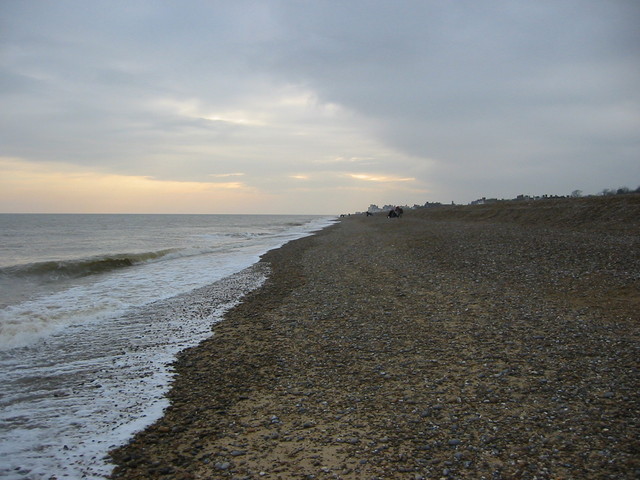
x: 319, y: 106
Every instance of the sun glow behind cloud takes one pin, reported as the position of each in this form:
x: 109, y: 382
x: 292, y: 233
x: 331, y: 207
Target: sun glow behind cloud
x: 225, y: 175
x: 269, y: 108
x: 72, y: 190
x: 380, y: 178
x: 195, y: 109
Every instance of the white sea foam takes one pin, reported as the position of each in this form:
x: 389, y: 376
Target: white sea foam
x: 100, y: 383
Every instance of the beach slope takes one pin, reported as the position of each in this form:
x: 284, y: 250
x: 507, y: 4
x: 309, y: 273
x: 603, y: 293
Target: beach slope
x: 457, y: 342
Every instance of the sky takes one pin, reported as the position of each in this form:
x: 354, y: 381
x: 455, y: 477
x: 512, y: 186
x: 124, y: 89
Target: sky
x: 313, y: 106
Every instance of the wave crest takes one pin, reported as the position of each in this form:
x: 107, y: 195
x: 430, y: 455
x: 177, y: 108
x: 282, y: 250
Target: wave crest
x: 63, y: 269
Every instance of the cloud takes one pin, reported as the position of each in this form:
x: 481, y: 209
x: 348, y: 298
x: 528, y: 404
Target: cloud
x: 468, y: 98
x: 478, y: 85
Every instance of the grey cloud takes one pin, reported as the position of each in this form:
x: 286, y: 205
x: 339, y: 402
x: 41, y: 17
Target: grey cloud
x: 486, y: 92
x: 468, y: 67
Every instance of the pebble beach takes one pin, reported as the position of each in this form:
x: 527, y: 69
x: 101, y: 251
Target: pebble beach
x: 478, y: 342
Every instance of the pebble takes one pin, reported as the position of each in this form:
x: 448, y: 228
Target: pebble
x: 512, y: 352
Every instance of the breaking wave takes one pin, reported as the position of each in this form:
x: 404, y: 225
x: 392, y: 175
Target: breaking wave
x: 64, y: 269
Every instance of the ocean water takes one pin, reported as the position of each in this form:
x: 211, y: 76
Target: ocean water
x: 93, y: 310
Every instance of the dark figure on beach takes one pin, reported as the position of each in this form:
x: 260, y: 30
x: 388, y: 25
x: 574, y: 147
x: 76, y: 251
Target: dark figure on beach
x: 395, y: 213
x: 369, y: 214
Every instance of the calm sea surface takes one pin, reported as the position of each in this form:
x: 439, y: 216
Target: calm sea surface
x: 93, y: 308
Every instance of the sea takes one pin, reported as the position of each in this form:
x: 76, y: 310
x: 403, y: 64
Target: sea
x: 94, y: 310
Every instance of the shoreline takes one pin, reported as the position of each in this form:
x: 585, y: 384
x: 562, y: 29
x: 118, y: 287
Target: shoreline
x: 415, y: 348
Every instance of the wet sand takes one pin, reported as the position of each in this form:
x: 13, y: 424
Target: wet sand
x: 497, y: 343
